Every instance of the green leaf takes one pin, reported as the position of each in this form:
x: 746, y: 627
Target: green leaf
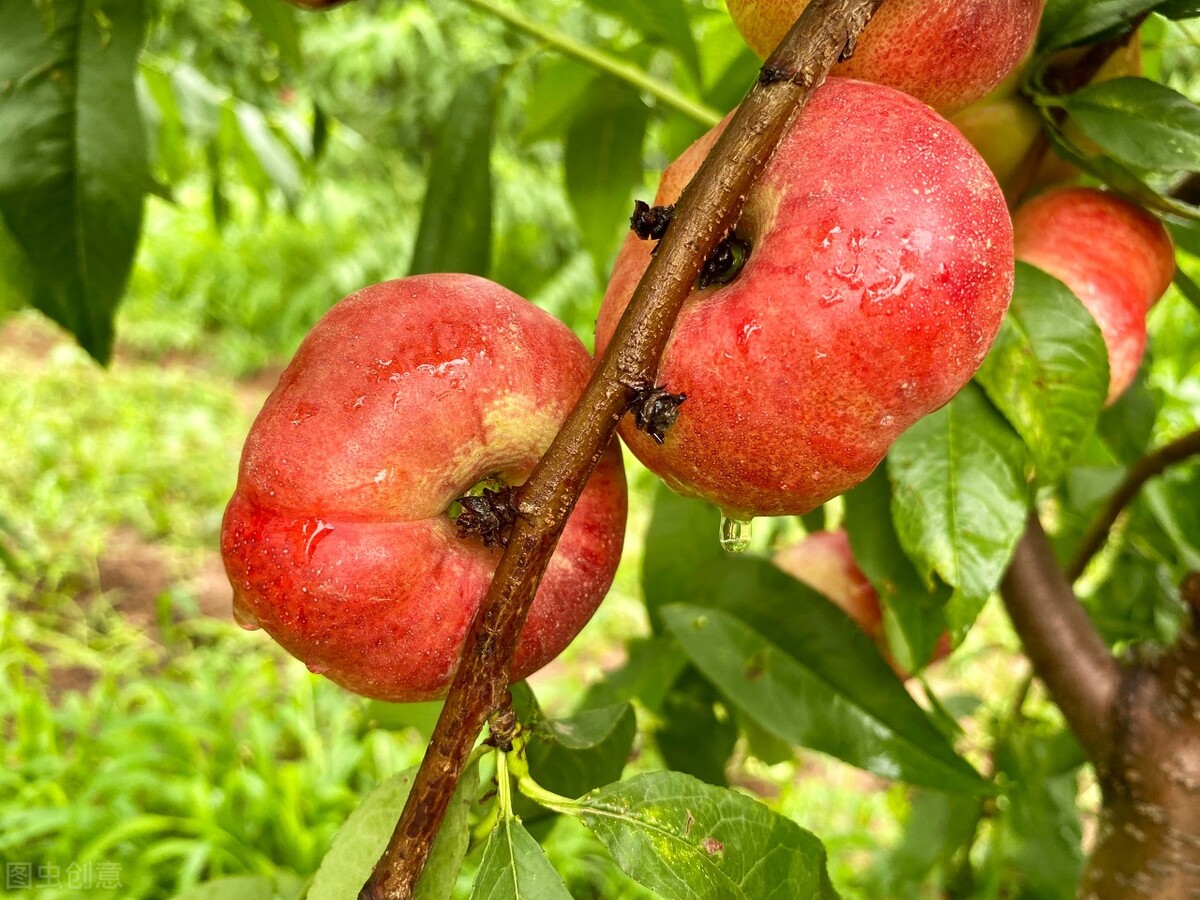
x: 556, y: 95
x: 1188, y: 287
x: 913, y: 615
x: 685, y: 839
x: 363, y: 837
x: 400, y: 716
x: 1117, y: 176
x: 691, y: 737
x: 1144, y: 123
x: 1047, y: 372
x: 277, y: 22
x: 1039, y: 832
x: 1066, y: 23
x: 938, y: 825
x: 73, y: 169
x: 960, y: 500
x: 237, y: 887
x: 604, y: 165
x: 651, y: 667
x: 277, y: 164
x: 684, y: 562
x: 515, y: 868
x: 455, y: 234
x: 659, y: 20
x: 573, y: 755
x: 874, y: 725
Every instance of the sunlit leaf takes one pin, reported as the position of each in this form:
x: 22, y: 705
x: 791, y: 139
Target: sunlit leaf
x: 688, y: 840
x: 960, y: 499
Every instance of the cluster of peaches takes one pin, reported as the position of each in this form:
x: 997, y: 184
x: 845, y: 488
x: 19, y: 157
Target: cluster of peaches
x: 878, y: 266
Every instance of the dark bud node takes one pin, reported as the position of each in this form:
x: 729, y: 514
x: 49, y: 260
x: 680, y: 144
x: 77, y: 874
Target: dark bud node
x: 502, y: 728
x: 725, y: 262
x: 488, y: 516
x: 848, y: 50
x: 772, y: 74
x: 650, y: 222
x: 655, y: 411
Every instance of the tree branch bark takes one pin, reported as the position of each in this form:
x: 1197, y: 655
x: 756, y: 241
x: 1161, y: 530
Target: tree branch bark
x: 1066, y: 651
x: 1142, y: 471
x: 708, y: 209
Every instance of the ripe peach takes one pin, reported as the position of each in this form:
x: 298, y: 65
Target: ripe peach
x: 1116, y: 257
x: 338, y: 539
x: 879, y: 272
x: 948, y: 53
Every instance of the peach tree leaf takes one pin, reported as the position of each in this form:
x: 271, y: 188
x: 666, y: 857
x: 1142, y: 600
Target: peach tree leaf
x: 690, y: 736
x: 1144, y: 123
x: 364, y: 835
x: 455, y: 234
x: 515, y: 868
x: 878, y: 728
x: 1047, y: 372
x: 687, y: 840
x: 1069, y: 22
x: 73, y: 170
x: 914, y: 616
x: 854, y: 687
x: 960, y: 499
x: 604, y: 165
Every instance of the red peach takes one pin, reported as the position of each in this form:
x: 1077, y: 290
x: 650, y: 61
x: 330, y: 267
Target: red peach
x: 338, y: 539
x: 880, y: 270
x: 948, y: 53
x: 1116, y: 257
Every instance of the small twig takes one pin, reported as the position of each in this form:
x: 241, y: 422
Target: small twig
x: 1066, y: 651
x: 1142, y: 471
x: 601, y: 61
x: 707, y: 211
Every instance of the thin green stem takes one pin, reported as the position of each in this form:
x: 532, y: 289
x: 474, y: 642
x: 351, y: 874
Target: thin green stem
x: 548, y: 799
x: 603, y: 62
x: 503, y: 787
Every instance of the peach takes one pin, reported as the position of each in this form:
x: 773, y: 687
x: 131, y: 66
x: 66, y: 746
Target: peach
x: 879, y: 271
x: 1116, y: 258
x: 338, y: 540
x: 948, y: 53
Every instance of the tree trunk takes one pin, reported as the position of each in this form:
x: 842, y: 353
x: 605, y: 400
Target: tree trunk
x: 1149, y: 840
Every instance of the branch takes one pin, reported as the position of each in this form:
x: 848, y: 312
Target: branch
x: 706, y: 212
x: 604, y: 62
x: 1067, y: 653
x: 1142, y: 471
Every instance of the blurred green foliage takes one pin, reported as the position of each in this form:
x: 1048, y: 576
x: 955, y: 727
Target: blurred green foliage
x: 181, y: 748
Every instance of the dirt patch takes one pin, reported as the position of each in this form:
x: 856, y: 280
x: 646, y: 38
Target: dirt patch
x: 135, y: 574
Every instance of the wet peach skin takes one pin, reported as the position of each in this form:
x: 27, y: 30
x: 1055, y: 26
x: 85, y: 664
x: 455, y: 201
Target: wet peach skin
x: 406, y: 394
x: 881, y: 267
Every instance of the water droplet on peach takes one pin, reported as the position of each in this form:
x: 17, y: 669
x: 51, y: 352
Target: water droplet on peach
x: 735, y: 533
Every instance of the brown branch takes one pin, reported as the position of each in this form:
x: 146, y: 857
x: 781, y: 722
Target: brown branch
x: 1142, y: 471
x: 1066, y: 651
x: 708, y: 209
